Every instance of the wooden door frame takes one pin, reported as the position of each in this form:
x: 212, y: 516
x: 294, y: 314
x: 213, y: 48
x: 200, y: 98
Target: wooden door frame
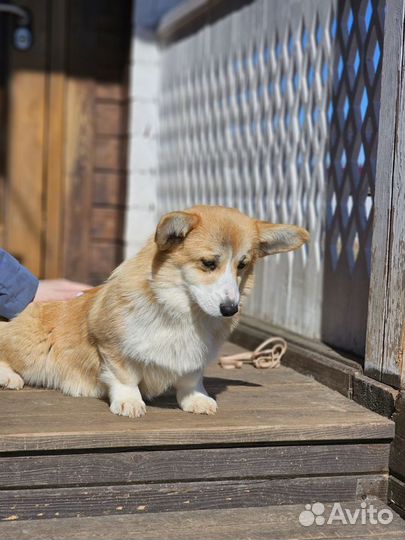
x: 35, y: 142
x: 59, y: 149
x: 27, y: 95
x: 385, y: 344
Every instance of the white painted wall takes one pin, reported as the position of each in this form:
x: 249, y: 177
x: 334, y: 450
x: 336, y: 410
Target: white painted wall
x: 143, y: 132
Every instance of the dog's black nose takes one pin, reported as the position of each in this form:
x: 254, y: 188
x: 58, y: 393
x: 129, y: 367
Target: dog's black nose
x: 228, y: 309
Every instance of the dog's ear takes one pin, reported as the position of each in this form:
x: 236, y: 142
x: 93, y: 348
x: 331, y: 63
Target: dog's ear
x: 173, y: 228
x: 279, y: 238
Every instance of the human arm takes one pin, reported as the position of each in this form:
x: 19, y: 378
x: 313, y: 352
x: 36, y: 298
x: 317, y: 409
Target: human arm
x: 18, y: 286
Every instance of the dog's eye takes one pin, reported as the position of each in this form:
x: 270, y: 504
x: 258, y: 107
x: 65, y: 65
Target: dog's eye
x: 209, y: 264
x: 242, y: 263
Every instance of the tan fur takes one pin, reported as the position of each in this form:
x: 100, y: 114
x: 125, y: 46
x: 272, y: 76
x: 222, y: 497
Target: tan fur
x: 142, y: 331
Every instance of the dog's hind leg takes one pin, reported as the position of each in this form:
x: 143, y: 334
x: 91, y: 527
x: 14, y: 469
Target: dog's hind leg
x: 9, y: 378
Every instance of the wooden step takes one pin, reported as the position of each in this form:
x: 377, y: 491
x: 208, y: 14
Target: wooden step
x: 278, y: 438
x: 198, y: 495
x: 255, y: 406
x: 265, y: 523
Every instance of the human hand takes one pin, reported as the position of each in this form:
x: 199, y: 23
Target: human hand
x: 58, y: 289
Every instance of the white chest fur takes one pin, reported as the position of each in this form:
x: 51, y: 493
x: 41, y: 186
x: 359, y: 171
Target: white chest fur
x: 179, y: 342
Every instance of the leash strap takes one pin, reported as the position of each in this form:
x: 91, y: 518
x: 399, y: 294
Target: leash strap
x: 267, y: 355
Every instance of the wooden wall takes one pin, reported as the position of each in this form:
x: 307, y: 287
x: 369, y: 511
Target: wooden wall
x: 97, y: 176
x: 65, y: 150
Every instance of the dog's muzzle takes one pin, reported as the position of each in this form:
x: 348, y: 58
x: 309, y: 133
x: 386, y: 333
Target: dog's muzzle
x: 228, y: 309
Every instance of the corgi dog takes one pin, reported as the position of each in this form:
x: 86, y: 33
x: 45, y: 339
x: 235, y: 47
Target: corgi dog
x: 155, y: 323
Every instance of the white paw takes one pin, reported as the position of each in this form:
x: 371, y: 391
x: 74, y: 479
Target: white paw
x: 199, y: 404
x: 134, y: 408
x: 10, y: 379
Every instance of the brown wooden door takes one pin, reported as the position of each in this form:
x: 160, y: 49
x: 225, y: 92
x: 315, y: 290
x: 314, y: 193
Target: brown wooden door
x: 25, y: 96
x: 63, y: 137
x: 2, y: 124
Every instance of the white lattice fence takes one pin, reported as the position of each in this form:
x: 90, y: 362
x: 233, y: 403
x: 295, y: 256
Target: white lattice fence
x: 246, y: 110
x: 353, y: 136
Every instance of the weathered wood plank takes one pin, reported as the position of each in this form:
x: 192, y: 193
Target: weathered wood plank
x: 329, y: 372
x: 376, y: 396
x: 78, y: 178
x: 394, y: 357
x: 396, y: 492
x: 231, y: 398
x: 162, y: 430
x: 399, y: 415
x: 110, y: 500
x: 397, y: 457
x: 254, y: 523
x: 386, y: 310
x: 251, y: 331
x: 193, y: 464
x: 254, y: 406
x: 324, y: 364
x: 231, y: 395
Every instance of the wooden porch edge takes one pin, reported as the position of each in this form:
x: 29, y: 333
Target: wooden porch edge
x: 191, y: 15
x: 396, y: 495
x: 329, y: 367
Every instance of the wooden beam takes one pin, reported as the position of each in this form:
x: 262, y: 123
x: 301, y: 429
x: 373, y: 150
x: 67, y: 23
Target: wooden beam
x: 385, y: 345
x: 79, y: 140
x: 198, y: 464
x: 255, y: 523
x: 326, y: 365
x: 85, y: 501
x: 78, y: 178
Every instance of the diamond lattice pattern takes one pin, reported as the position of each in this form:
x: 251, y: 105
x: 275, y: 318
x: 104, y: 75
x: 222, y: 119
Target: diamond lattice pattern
x: 258, y: 110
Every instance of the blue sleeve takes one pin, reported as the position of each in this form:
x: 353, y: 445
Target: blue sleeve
x: 17, y: 286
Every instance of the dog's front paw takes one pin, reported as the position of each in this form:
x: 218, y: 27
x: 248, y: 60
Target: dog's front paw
x: 11, y: 380
x: 134, y: 408
x: 199, y: 404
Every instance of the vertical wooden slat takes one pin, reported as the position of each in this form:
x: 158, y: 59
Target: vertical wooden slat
x: 26, y: 134
x: 79, y: 139
x: 55, y: 141
x: 95, y: 131
x: 3, y: 127
x: 78, y: 178
x: 386, y: 320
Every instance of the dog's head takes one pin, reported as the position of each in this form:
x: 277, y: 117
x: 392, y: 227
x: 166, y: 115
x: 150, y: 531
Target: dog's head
x: 210, y: 252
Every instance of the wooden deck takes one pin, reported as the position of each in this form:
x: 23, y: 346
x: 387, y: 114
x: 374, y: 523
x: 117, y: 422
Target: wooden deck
x: 255, y: 406
x: 279, y: 438
x: 273, y: 523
